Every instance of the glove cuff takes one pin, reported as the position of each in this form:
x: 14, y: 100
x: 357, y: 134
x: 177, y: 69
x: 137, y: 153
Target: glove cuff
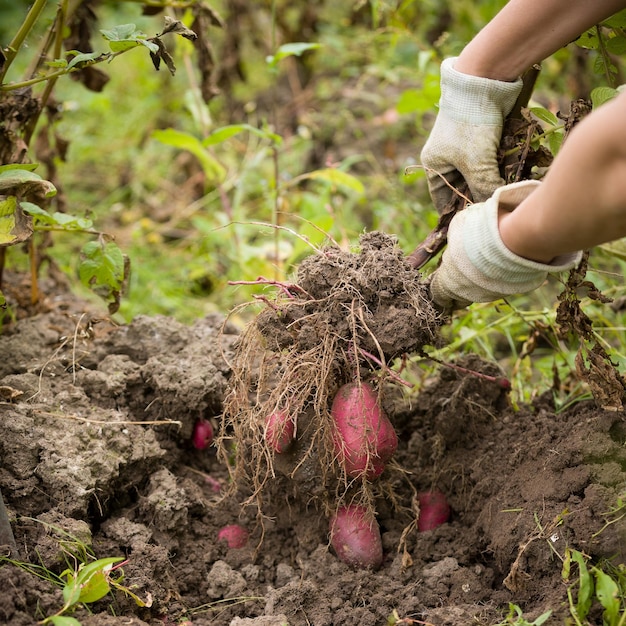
x: 486, y: 250
x: 473, y: 99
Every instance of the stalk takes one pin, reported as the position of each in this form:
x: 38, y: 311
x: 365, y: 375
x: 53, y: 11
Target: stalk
x: 27, y: 25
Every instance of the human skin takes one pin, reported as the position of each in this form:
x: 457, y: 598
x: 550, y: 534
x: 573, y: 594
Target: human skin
x: 526, y: 32
x: 582, y: 201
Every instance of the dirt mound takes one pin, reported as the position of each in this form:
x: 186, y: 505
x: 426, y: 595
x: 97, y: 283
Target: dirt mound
x: 96, y: 460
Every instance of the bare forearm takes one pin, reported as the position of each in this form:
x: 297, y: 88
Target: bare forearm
x: 525, y: 32
x: 582, y: 201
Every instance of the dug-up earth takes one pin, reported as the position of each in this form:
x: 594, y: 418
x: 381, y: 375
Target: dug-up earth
x: 96, y: 461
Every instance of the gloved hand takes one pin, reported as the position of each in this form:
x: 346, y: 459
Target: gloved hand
x: 476, y: 265
x: 463, y: 143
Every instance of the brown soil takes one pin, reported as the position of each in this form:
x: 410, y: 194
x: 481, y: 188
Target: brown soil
x: 95, y: 451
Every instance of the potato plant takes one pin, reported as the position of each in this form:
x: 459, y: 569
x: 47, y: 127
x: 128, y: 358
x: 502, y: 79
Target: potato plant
x: 26, y: 196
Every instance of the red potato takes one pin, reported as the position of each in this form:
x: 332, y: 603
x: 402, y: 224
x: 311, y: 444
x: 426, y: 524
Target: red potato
x: 202, y: 435
x: 214, y: 484
x: 364, y: 438
x: 234, y: 535
x: 434, y: 510
x: 279, y: 431
x: 355, y: 537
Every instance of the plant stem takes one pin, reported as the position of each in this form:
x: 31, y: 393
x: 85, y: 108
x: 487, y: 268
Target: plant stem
x: 34, y: 81
x: 275, y: 160
x: 34, y: 284
x: 3, y: 252
x: 502, y: 382
x: 59, y: 26
x: 27, y: 25
x: 107, y: 56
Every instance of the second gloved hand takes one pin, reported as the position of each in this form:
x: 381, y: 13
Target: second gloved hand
x: 463, y: 144
x: 476, y: 265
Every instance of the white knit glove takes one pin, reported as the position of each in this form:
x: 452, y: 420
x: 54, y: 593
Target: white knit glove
x: 476, y: 265
x: 463, y: 143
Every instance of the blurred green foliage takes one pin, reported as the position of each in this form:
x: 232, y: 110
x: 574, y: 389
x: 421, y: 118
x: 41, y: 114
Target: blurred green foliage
x: 324, y: 128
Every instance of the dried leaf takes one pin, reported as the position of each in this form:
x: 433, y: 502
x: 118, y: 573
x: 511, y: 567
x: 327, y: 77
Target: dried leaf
x: 602, y: 376
x: 593, y: 365
x: 81, y: 25
x: 162, y: 55
x: 15, y: 225
x: 93, y: 78
x: 176, y: 26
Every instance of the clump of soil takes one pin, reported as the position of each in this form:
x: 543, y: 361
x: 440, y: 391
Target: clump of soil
x: 345, y: 319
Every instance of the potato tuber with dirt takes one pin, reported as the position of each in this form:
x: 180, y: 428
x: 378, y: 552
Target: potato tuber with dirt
x: 314, y: 347
x: 355, y: 537
x: 235, y: 535
x: 364, y: 438
x: 280, y: 430
x: 434, y: 510
x: 202, y: 435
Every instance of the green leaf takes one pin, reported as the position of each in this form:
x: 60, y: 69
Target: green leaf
x: 589, y: 40
x: 544, y: 617
x: 567, y: 565
x: 616, y: 45
x: 24, y: 182
x: 290, y: 49
x: 103, y: 264
x: 104, y: 269
x: 607, y: 592
x: 213, y: 169
x: 616, y: 21
x: 61, y: 220
x: 600, y: 95
x: 555, y: 140
x: 40, y: 215
x: 545, y: 116
x: 19, y: 166
x: 338, y: 178
x: 94, y: 588
x: 90, y: 583
x: 602, y: 65
x: 71, y: 222
x: 226, y: 132
x: 71, y: 592
x: 3, y: 301
x: 126, y: 36
x: 85, y: 58
x: 121, y: 32
x: 63, y: 620
x: 125, y: 44
x: 420, y: 100
x: 88, y: 570
x: 585, y: 586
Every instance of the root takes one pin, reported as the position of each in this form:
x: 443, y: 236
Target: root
x: 346, y: 318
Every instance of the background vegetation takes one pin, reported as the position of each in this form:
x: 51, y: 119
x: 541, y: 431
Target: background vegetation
x: 286, y: 125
